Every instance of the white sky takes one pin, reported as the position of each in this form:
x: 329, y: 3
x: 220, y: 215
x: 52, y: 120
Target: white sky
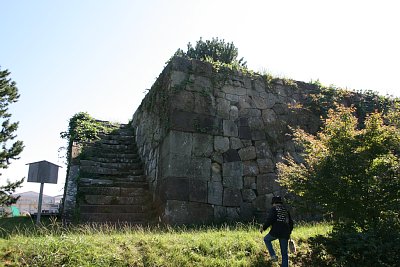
x: 99, y: 56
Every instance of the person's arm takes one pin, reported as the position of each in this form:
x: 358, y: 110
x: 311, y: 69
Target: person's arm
x: 290, y: 223
x: 270, y: 219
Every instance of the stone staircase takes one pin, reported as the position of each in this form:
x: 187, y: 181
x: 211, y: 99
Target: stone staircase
x: 112, y: 187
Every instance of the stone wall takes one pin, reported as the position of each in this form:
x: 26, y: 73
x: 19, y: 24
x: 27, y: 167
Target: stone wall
x: 210, y: 140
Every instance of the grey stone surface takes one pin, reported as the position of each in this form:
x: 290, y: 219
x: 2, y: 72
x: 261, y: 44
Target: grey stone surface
x: 202, y: 145
x: 266, y: 165
x: 233, y: 182
x: 223, y: 108
x: 233, y: 113
x: 177, y: 143
x: 175, y: 188
x: 216, y: 172
x: 230, y: 128
x: 232, y: 214
x: 232, y: 169
x: 249, y: 182
x: 215, y: 193
x: 200, y: 168
x: 219, y: 213
x: 234, y: 90
x: 248, y: 195
x: 247, y: 153
x: 231, y: 155
x: 232, y: 197
x: 221, y: 144
x: 250, y: 168
x: 198, y: 191
x: 175, y: 165
x: 263, y: 150
x: 183, y: 100
x: 235, y: 143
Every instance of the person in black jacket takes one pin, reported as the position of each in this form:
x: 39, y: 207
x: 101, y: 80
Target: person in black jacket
x: 281, y: 227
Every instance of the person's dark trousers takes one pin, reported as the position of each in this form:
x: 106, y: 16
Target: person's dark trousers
x: 283, y: 243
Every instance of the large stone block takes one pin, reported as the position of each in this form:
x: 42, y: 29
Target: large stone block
x: 198, y: 191
x: 234, y: 90
x: 247, y: 153
x: 199, y: 84
x: 183, y: 100
x: 200, y: 213
x: 230, y: 128
x: 221, y: 144
x: 216, y: 172
x: 193, y: 122
x: 223, y: 108
x: 200, y: 168
x: 174, y: 188
x: 263, y: 150
x: 266, y: 165
x: 177, y: 143
x: 215, y: 193
x: 248, y: 195
x: 250, y: 168
x: 249, y: 182
x: 202, y: 145
x: 176, y: 212
x: 270, y: 99
x: 232, y: 169
x: 269, y: 116
x: 178, y: 79
x: 245, y: 133
x: 231, y: 155
x: 267, y: 184
x: 235, y: 143
x: 232, y: 214
x: 232, y: 197
x: 219, y: 213
x: 234, y: 113
x: 247, y: 211
x: 233, y: 182
x: 204, y: 103
x: 174, y: 165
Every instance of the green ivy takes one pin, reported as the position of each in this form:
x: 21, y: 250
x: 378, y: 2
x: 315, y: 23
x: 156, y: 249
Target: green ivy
x: 83, y: 128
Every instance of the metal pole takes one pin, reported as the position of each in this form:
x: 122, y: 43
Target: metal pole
x: 40, y: 204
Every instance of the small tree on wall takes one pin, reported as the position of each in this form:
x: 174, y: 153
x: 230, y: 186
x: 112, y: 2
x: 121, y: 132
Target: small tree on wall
x: 215, y: 50
x: 9, y: 150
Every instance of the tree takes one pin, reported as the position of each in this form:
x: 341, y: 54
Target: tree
x: 349, y: 173
x: 9, y: 149
x: 215, y: 50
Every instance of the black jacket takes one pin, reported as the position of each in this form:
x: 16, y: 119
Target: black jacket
x: 280, y: 220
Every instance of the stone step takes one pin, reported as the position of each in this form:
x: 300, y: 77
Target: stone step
x: 92, y: 152
x: 113, y: 160
x: 117, y: 141
x: 132, y: 217
x: 114, y: 191
x: 111, y: 165
x: 116, y: 147
x: 113, y: 208
x: 129, y: 181
x: 114, y: 200
x: 125, y: 137
x: 96, y: 171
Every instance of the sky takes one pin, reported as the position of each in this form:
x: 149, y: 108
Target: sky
x: 100, y: 56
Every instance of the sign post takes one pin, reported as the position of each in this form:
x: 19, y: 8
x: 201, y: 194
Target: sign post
x: 42, y: 172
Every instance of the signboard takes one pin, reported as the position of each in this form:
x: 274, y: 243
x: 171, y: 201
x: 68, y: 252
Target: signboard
x: 43, y: 172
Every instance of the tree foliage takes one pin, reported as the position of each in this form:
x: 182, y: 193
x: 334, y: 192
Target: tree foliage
x: 213, y: 50
x: 349, y: 173
x: 10, y: 149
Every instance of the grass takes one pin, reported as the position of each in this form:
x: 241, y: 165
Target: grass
x: 24, y: 244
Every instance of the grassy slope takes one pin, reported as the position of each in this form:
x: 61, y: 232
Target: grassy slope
x: 52, y: 245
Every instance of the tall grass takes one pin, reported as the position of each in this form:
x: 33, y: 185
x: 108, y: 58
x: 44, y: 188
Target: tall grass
x: 51, y: 244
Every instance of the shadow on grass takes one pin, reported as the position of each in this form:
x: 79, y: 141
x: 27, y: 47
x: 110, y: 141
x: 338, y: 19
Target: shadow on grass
x: 22, y: 224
